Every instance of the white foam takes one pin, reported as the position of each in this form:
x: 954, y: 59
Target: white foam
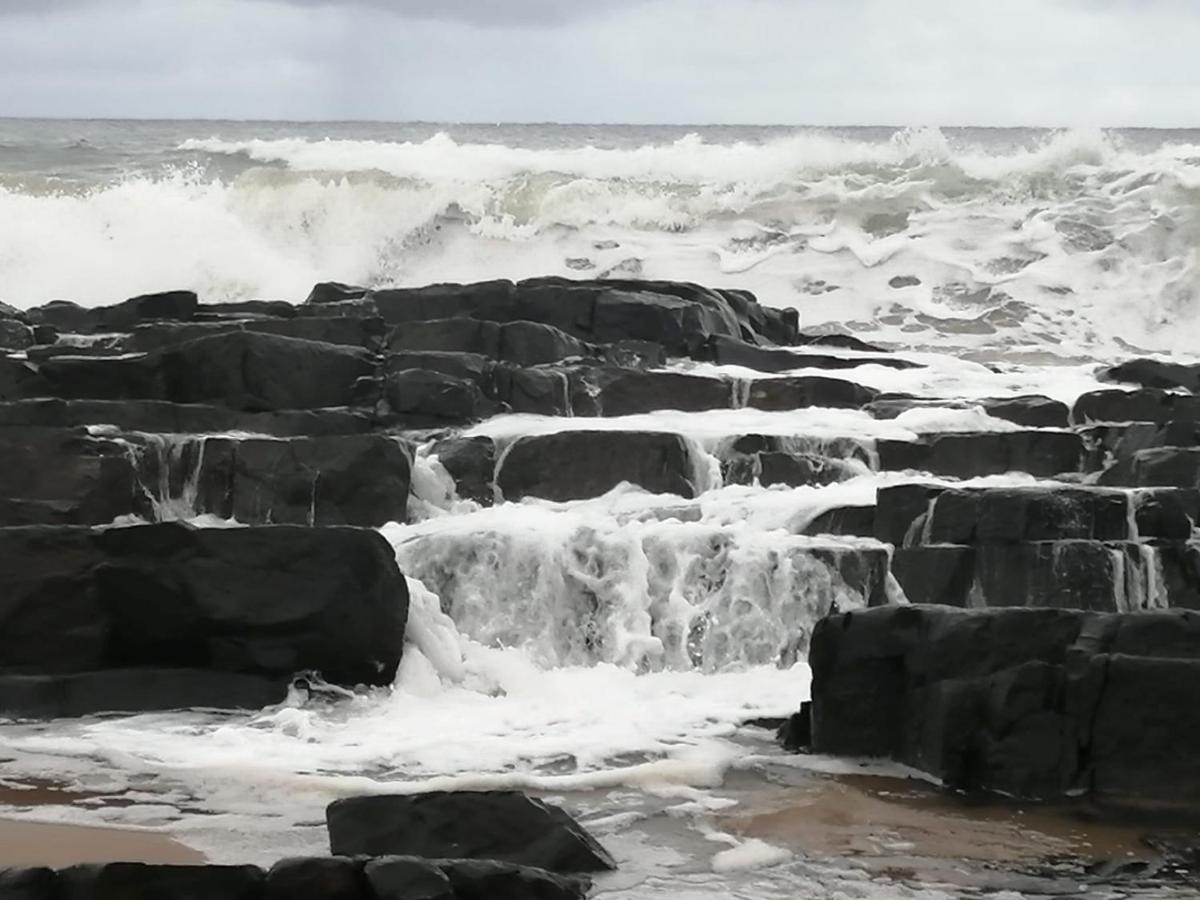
x: 750, y: 854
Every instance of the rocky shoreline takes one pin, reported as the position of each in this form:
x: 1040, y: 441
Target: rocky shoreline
x: 132, y: 437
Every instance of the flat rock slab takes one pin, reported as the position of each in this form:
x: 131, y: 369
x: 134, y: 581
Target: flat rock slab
x: 496, y: 825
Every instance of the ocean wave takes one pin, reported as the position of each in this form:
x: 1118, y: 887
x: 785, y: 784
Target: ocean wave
x: 1079, y: 245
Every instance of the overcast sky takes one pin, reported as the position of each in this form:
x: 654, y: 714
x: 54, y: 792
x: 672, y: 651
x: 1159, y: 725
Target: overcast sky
x: 1043, y: 62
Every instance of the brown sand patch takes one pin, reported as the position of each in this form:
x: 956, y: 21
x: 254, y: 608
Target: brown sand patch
x: 36, y: 844
x: 876, y: 817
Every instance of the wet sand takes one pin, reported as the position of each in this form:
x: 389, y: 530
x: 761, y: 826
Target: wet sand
x: 44, y: 844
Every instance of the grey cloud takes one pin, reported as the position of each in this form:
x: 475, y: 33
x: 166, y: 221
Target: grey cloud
x: 489, y: 12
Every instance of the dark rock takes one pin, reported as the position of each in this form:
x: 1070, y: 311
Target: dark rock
x: 66, y: 477
x: 15, y: 335
x: 1011, y: 515
x: 138, y: 881
x: 728, y: 351
x: 334, y: 292
x: 317, y: 878
x: 426, y: 398
x: 480, y: 879
x: 903, y: 281
x: 133, y: 691
x: 471, y: 462
x: 532, y: 344
x: 1039, y: 453
x: 1164, y: 466
x: 1146, y: 405
x: 496, y: 825
x: 680, y: 325
x: 1031, y: 411
x: 242, y: 370
x: 941, y: 574
x: 489, y: 300
x: 803, y: 391
x: 266, y: 601
x: 45, y: 334
x: 794, y: 469
x: 243, y: 309
x: 795, y: 734
x: 1152, y: 373
x: 457, y: 335
x: 576, y: 465
x: 850, y: 520
x: 897, y: 507
x: 344, y: 331
x: 623, y: 392
x: 158, y: 416
x: 407, y: 878
x: 842, y: 341
x: 11, y: 312
x: 29, y: 884
x: 19, y: 380
x: 473, y: 367
x: 1027, y: 702
x: 64, y: 315
x: 541, y: 391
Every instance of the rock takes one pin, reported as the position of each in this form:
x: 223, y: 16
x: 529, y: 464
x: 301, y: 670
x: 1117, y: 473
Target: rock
x: 680, y: 325
x: 407, y: 878
x: 157, y: 416
x: 1168, y: 466
x: 897, y: 507
x: 1030, y: 411
x: 353, y: 480
x: 177, y: 306
x: 19, y: 380
x: 425, y: 398
x: 15, y: 335
x: 728, y: 351
x: 334, y: 292
x: 576, y: 465
x: 11, y: 312
x: 1152, y: 373
x: 480, y: 879
x: 836, y: 339
x: 138, y: 881
x: 1039, y: 453
x: 262, y: 601
x: 795, y: 734
x: 316, y: 878
x: 241, y: 370
x: 903, y: 281
x: 29, y: 884
x: 541, y: 391
x: 939, y: 574
x: 795, y: 469
x: 495, y: 825
x: 133, y: 691
x: 471, y: 462
x: 1146, y: 405
x: 1035, y: 703
x: 245, y: 309
x: 624, y: 392
x: 492, y: 301
x: 344, y: 331
x: 519, y: 343
x: 56, y: 476
x: 803, y: 391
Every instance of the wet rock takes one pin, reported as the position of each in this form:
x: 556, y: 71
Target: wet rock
x: 178, y: 306
x: 495, y: 825
x: 1169, y: 466
x: 836, y: 339
x: 51, y: 476
x: 1032, y: 411
x: 344, y: 331
x: 245, y: 309
x: 241, y: 370
x: 1153, y: 373
x: 795, y: 469
x: 138, y: 881
x: 579, y: 263
x: 968, y: 455
x: 795, y: 734
x: 803, y: 391
x: 263, y: 601
x: 608, y: 391
x: 425, y: 398
x: 939, y: 574
x: 20, y: 380
x: 29, y: 884
x: 728, y: 351
x: 576, y: 465
x: 485, y: 879
x: 317, y: 878
x: 407, y: 878
x: 903, y: 281
x: 1146, y: 405
x: 471, y: 462
x: 1027, y: 702
x: 161, y: 417
x: 335, y: 292
x: 133, y: 691
x: 858, y: 521
x: 540, y: 390
x: 489, y: 300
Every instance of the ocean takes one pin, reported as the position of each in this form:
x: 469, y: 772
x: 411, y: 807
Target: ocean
x: 1078, y: 244
x: 1004, y: 261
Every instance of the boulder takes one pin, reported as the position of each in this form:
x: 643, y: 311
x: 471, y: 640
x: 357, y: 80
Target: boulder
x: 540, y: 390
x: 804, y: 391
x: 1146, y: 405
x: 317, y: 878
x: 1031, y: 703
x: 262, y: 601
x: 29, y: 884
x: 139, y: 881
x: 20, y: 379
x: 245, y: 309
x: 15, y: 335
x: 576, y: 465
x: 471, y: 462
x: 1164, y: 466
x: 506, y: 826
x: 858, y: 521
x: 1029, y: 411
x: 424, y: 398
x: 334, y: 292
x: 795, y: 469
x: 1153, y: 373
x: 485, y: 879
x: 343, y: 331
x: 393, y: 877
x: 519, y: 343
x: 177, y: 306
x: 488, y: 300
